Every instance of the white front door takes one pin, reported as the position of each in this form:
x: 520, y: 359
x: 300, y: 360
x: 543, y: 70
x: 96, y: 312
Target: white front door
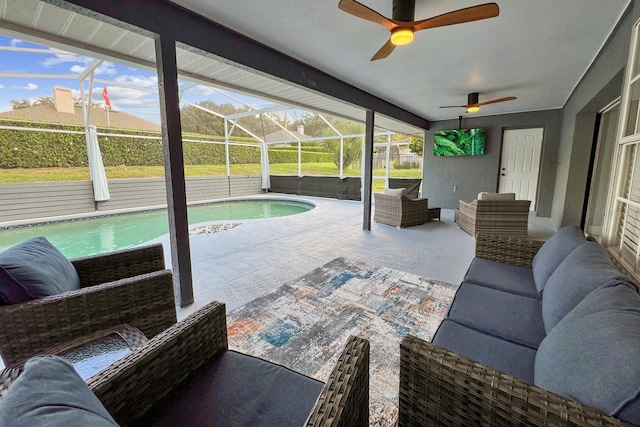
x: 520, y: 163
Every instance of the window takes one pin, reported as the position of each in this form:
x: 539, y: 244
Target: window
x: 622, y: 220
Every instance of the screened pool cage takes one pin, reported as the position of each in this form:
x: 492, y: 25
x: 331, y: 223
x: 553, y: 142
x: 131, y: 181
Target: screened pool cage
x: 387, y: 151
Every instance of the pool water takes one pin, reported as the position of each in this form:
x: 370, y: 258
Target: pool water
x: 92, y: 236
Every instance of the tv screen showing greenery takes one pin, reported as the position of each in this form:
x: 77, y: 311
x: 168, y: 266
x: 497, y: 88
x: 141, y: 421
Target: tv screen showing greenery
x: 459, y: 142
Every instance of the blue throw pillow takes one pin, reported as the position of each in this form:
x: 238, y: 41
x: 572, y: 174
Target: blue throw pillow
x: 582, y: 271
x: 553, y: 252
x: 592, y: 355
x: 35, y: 269
x: 50, y: 393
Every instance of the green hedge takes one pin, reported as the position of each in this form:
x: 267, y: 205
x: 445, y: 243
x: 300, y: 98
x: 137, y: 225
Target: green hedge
x: 33, y: 149
x: 277, y: 155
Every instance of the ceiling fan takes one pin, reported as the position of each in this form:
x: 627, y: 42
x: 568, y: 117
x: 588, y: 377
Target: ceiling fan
x: 473, y: 105
x: 402, y: 25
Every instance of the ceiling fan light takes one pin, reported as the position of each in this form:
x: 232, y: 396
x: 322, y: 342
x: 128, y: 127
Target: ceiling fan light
x: 473, y: 109
x: 401, y: 36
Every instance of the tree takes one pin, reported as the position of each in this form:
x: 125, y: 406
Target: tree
x: 196, y: 120
x: 416, y: 146
x: 23, y: 103
x: 352, y: 146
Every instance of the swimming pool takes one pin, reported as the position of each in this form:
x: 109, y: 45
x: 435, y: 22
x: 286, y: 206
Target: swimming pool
x: 108, y: 233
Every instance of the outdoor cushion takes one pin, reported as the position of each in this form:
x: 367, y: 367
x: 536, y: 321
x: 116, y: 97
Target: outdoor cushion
x: 496, y: 196
x: 553, y: 252
x: 505, y: 277
x: 505, y: 356
x: 395, y: 191
x: 592, y: 354
x: 50, y: 393
x: 35, y: 269
x: 512, y: 317
x: 582, y: 271
x: 240, y: 390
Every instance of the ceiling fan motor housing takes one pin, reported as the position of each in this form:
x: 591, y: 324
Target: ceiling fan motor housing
x: 403, y: 10
x: 472, y: 98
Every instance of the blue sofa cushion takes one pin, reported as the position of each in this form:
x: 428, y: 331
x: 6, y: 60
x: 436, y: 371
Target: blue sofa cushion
x: 35, y: 269
x: 553, y: 252
x: 240, y: 390
x: 511, y: 317
x: 505, y: 356
x: 505, y: 277
x: 50, y: 393
x: 584, y: 269
x: 592, y: 355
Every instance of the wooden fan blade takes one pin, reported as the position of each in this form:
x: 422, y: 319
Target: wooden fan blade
x: 469, y: 14
x: 453, y: 106
x: 384, y: 51
x: 362, y: 11
x: 493, y: 101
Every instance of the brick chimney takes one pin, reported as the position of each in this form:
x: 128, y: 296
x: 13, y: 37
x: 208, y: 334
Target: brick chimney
x: 63, y: 100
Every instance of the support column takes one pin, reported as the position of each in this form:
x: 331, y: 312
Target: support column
x: 368, y: 170
x: 174, y: 168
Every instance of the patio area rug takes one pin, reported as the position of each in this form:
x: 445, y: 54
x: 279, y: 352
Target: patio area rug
x: 304, y: 324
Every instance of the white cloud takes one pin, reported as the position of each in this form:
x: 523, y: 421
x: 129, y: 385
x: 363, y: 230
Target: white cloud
x: 1, y: 86
x: 29, y: 86
x: 61, y: 58
x: 81, y: 61
x: 15, y: 42
x: 146, y: 82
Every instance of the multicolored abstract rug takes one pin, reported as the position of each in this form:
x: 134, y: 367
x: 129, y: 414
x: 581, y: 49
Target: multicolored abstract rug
x: 304, y: 324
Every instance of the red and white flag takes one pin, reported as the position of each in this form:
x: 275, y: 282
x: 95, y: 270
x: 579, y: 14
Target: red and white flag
x: 105, y: 96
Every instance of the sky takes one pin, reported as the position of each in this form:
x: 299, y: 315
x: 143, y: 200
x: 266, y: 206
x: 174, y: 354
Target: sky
x: 136, y: 102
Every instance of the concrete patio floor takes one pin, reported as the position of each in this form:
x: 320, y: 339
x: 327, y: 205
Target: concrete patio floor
x: 238, y: 265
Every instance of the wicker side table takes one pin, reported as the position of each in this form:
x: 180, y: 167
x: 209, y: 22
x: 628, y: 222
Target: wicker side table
x: 89, y: 354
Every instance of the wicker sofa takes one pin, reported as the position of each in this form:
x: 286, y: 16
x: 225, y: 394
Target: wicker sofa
x: 129, y: 286
x: 536, y: 335
x: 393, y: 207
x: 494, y: 213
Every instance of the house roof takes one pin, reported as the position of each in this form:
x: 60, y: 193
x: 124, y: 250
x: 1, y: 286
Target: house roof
x: 98, y: 117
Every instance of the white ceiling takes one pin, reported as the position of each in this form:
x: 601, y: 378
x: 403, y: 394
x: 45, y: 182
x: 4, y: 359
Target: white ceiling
x: 536, y: 50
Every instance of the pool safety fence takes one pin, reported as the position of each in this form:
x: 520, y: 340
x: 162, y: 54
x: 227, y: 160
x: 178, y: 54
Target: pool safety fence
x: 347, y: 188
x: 34, y: 201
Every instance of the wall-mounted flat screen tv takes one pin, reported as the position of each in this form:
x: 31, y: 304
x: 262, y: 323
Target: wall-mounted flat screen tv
x: 459, y: 142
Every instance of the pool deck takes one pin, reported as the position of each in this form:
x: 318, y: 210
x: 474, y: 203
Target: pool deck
x: 238, y: 265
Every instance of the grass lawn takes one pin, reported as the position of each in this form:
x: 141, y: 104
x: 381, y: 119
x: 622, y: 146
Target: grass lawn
x: 117, y: 172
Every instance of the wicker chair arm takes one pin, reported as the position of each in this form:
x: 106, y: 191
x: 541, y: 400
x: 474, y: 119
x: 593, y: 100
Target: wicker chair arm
x: 137, y: 385
x: 411, y: 206
x: 344, y: 400
x: 28, y: 329
x: 112, y: 266
x: 442, y: 388
x: 507, y: 249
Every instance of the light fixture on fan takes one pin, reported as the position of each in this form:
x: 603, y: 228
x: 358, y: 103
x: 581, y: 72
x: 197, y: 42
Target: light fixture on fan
x: 472, y: 103
x: 401, y: 36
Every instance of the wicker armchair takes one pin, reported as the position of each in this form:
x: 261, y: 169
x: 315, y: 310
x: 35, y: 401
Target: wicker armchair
x: 124, y: 287
x: 140, y: 385
x: 494, y: 216
x: 441, y: 388
x: 400, y: 211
